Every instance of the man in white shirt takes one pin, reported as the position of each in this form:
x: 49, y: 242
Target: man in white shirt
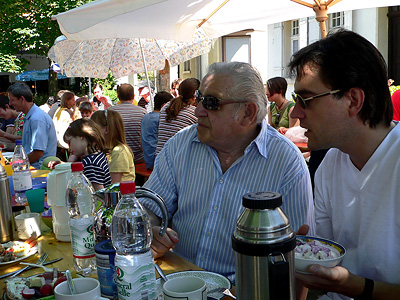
x: 343, y: 101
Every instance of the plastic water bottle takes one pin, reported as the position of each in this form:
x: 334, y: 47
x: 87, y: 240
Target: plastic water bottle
x: 131, y: 237
x: 22, y: 178
x: 81, y: 208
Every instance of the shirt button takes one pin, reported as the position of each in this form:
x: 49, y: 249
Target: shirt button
x: 202, y: 258
x: 221, y: 181
x: 215, y: 207
x: 209, y: 233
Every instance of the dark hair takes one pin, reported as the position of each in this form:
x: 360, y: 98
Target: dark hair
x: 90, y: 131
x: 176, y: 82
x: 125, y: 92
x: 80, y: 100
x: 4, y: 102
x: 51, y: 100
x: 277, y: 85
x: 186, y: 92
x: 97, y: 85
x: 21, y: 89
x: 161, y: 98
x: 345, y: 60
x: 85, y: 106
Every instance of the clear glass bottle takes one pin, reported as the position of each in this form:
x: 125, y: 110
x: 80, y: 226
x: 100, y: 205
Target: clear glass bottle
x: 81, y: 208
x: 131, y: 237
x: 22, y: 178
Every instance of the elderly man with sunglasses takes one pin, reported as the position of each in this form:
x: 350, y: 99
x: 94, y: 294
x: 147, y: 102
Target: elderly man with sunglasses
x: 204, y: 170
x: 343, y: 101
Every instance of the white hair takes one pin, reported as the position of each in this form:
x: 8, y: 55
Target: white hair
x: 247, y: 84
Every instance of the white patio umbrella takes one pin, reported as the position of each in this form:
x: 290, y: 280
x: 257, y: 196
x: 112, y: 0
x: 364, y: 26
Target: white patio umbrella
x: 124, y: 56
x: 178, y: 19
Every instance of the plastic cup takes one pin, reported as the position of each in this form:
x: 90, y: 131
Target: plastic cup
x: 86, y: 288
x: 35, y: 200
x: 28, y: 224
x: 187, y: 287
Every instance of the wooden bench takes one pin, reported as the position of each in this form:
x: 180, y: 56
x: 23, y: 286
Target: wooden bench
x: 142, y: 172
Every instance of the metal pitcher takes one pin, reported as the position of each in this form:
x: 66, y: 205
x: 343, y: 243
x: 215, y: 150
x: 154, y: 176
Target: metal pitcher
x: 109, y: 198
x: 264, y: 250
x: 7, y: 225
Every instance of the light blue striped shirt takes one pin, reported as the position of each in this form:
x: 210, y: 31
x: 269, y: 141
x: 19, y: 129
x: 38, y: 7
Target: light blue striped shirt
x: 206, y: 203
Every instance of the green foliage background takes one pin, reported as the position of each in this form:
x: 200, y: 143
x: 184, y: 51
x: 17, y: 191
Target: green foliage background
x: 27, y: 28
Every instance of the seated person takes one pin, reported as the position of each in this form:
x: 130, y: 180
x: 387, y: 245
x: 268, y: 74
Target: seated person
x: 356, y: 185
x: 14, y: 121
x: 280, y: 108
x: 86, y: 109
x: 205, y: 169
x: 63, y: 117
x: 120, y: 159
x: 100, y: 101
x: 149, y: 128
x: 39, y: 136
x: 87, y: 144
x: 178, y: 113
x: 49, y: 103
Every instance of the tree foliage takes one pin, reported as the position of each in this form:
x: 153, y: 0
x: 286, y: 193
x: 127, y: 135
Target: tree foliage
x: 26, y: 27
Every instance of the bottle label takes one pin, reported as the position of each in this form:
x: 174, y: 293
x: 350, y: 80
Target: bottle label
x: 105, y: 273
x: 82, y: 237
x: 22, y: 181
x: 137, y: 282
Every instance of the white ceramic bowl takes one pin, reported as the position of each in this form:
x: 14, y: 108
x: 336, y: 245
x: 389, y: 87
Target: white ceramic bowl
x: 302, y: 264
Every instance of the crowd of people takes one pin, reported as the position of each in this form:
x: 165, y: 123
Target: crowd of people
x: 108, y: 139
x: 210, y: 142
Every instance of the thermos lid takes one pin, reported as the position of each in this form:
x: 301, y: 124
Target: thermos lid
x: 263, y: 227
x: 262, y: 200
x: 3, y: 173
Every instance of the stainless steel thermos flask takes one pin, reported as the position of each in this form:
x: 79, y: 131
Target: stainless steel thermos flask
x: 264, y: 249
x: 7, y: 226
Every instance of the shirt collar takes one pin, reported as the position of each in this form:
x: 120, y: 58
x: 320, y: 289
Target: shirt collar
x: 31, y: 112
x: 260, y: 141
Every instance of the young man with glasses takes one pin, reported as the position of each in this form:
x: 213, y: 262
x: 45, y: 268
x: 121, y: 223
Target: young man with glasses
x: 343, y: 101
x: 203, y: 171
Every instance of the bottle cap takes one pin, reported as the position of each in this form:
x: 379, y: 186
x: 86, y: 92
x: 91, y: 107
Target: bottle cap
x: 18, y: 142
x: 127, y: 187
x: 77, y: 167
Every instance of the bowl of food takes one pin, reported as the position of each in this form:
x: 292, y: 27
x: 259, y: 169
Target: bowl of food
x: 316, y: 251
x: 47, y: 217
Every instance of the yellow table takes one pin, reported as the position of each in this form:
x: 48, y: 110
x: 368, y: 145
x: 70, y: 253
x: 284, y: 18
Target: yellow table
x: 169, y: 263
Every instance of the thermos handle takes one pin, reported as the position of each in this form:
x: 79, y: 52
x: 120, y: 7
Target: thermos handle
x: 278, y: 271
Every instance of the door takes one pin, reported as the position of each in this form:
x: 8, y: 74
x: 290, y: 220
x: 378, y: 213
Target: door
x: 394, y: 44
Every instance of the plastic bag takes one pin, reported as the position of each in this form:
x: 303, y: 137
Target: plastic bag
x: 296, y: 134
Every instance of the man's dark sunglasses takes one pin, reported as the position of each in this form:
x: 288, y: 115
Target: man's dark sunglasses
x: 298, y: 99
x: 211, y: 102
